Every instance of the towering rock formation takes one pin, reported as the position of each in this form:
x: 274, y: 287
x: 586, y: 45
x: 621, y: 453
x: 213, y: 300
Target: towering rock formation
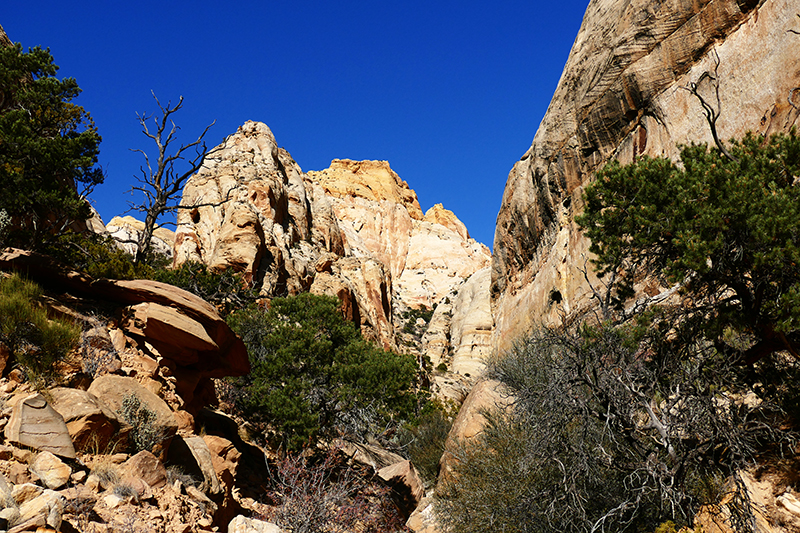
x: 354, y: 230
x: 620, y: 95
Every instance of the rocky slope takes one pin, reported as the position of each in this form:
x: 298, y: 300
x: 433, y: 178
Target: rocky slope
x: 354, y: 230
x: 66, y: 462
x: 621, y: 94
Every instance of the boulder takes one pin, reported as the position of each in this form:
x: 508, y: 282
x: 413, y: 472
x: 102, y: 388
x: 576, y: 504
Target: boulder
x: 469, y: 422
x: 90, y: 422
x: 35, y: 424
x: 146, y: 466
x: 225, y: 460
x: 167, y: 317
x: 423, y: 519
x: 52, y: 471
x: 114, y: 389
x: 45, y: 509
x: 192, y: 454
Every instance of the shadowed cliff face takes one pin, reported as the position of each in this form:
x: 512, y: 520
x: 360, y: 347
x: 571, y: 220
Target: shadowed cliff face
x: 621, y: 95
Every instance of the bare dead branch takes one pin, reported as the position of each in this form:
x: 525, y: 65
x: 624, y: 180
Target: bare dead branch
x: 712, y: 114
x: 161, y: 183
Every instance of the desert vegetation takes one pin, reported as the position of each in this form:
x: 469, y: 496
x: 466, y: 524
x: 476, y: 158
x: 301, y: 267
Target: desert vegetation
x: 643, y: 413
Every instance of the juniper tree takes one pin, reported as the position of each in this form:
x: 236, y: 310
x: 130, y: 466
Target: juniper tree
x: 48, y: 148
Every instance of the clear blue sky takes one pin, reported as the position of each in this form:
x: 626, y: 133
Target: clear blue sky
x: 450, y: 93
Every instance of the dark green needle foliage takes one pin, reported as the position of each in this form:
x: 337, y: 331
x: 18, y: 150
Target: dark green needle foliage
x: 727, y: 231
x: 48, y: 148
x: 313, y: 374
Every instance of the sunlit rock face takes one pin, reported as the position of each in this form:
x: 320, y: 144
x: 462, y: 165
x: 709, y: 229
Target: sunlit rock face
x: 354, y: 230
x: 621, y: 95
x: 427, y: 255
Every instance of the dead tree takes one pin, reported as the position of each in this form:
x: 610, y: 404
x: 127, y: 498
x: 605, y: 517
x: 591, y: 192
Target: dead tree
x: 712, y: 114
x: 162, y: 184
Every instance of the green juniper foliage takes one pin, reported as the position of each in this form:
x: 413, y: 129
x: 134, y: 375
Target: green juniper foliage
x: 48, y: 148
x: 727, y: 231
x: 313, y: 374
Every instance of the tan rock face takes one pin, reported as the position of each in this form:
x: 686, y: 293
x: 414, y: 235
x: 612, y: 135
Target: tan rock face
x: 373, y: 181
x: 485, y: 395
x: 460, y: 337
x: 114, y: 389
x: 620, y: 96
x: 91, y: 424
x: 354, y: 230
x: 254, y: 214
x: 51, y: 470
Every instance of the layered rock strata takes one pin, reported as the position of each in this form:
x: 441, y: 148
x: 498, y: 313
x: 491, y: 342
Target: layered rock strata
x: 621, y: 95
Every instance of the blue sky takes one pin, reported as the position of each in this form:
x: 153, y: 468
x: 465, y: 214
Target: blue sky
x: 450, y: 93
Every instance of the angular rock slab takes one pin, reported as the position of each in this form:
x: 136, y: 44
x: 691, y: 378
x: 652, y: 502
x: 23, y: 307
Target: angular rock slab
x: 35, y: 424
x: 146, y: 466
x: 407, y: 488
x: 193, y: 455
x: 51, y: 470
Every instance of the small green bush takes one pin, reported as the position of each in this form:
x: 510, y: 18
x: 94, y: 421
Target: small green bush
x: 35, y: 342
x: 313, y: 374
x: 144, y: 434
x: 97, y: 255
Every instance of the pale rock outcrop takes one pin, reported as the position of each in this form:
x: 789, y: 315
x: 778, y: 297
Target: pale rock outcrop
x: 427, y: 255
x: 459, y: 337
x: 406, y: 485
x: 127, y: 230
x: 620, y: 95
x: 438, y: 260
x: 471, y: 325
x: 369, y: 283
x: 444, y: 217
x: 53, y: 472
x: 354, y: 230
x: 35, y: 424
x: 470, y: 421
x: 423, y: 519
x: 253, y: 214
x: 374, y: 207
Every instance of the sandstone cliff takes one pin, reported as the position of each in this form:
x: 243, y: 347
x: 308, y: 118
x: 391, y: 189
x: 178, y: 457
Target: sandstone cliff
x: 354, y: 230
x: 621, y: 95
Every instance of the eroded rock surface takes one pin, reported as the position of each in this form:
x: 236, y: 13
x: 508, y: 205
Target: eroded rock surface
x: 354, y: 230
x: 620, y: 95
